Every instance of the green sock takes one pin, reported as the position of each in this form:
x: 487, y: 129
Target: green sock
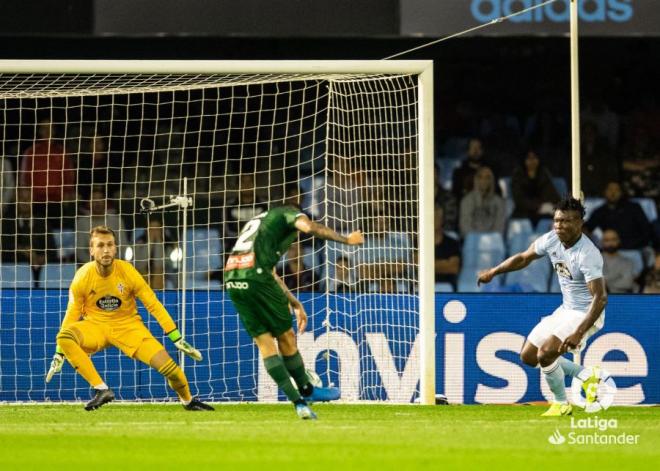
x: 296, y: 368
x: 276, y: 369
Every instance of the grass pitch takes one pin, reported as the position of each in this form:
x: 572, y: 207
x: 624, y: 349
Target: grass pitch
x: 364, y: 437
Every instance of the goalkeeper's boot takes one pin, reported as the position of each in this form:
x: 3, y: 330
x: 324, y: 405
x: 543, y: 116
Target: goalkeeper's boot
x: 196, y: 404
x: 321, y: 394
x: 101, y: 396
x: 558, y: 409
x: 304, y: 411
x: 590, y: 386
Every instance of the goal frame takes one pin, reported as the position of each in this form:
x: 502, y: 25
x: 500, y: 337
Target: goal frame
x: 423, y: 69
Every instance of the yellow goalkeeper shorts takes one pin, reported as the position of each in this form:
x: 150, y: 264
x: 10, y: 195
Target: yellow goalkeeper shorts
x: 127, y: 337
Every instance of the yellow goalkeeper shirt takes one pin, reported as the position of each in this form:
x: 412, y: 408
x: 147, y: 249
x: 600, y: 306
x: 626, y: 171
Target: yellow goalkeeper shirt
x: 111, y: 299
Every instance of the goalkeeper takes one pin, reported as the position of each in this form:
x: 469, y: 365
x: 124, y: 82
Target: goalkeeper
x: 263, y: 301
x: 102, y: 312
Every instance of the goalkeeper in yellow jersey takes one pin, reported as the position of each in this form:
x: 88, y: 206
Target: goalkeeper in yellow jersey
x: 102, y: 312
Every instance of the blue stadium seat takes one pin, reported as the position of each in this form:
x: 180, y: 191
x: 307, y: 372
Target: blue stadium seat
x: 560, y: 185
x: 648, y: 206
x: 65, y: 242
x: 467, y: 282
x: 534, y: 278
x: 518, y: 226
x: 482, y: 249
x: 544, y: 225
x: 444, y: 288
x: 505, y: 188
x: 446, y: 166
x: 590, y: 204
x: 57, y: 275
x: 204, y: 252
x: 636, y: 257
x: 15, y: 276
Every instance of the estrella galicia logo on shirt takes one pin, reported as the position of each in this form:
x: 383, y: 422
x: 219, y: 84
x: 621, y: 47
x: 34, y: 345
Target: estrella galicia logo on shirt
x: 109, y: 303
x: 562, y: 270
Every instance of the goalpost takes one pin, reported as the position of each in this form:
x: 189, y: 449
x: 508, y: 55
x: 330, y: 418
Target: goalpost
x: 352, y: 141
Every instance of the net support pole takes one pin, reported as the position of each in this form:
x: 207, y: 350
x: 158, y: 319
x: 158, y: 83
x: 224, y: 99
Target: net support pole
x: 184, y: 222
x: 426, y: 235
x: 576, y: 187
x: 576, y: 184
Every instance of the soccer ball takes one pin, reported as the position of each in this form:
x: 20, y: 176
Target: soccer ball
x: 314, y: 379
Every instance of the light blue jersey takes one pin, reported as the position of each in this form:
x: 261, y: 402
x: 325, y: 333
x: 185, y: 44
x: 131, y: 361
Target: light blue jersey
x: 575, y: 267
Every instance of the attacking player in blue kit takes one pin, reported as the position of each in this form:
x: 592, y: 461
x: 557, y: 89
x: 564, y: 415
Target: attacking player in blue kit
x: 264, y: 302
x: 579, y: 266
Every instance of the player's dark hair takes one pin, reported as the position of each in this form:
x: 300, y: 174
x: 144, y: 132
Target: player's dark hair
x: 101, y: 230
x: 568, y: 203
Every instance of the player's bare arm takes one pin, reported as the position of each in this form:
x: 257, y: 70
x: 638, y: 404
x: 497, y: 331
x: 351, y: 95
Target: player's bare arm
x: 298, y: 309
x: 513, y: 263
x: 598, y: 303
x: 306, y: 225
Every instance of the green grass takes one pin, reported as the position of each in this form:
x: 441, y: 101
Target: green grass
x: 253, y: 436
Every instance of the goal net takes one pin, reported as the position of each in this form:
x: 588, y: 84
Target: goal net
x: 90, y: 143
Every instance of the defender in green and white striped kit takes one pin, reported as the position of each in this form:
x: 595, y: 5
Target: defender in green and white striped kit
x: 263, y: 301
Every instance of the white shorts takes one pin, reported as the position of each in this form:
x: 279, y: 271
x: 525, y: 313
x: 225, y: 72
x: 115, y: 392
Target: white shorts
x: 561, y: 324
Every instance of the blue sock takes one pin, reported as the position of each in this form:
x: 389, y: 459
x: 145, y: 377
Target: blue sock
x: 570, y: 368
x: 554, y: 375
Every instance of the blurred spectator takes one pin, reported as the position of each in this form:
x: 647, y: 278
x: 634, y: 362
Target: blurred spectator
x: 626, y: 217
x: 25, y: 239
x: 534, y: 194
x: 95, y: 168
x: 346, y: 189
x: 482, y: 210
x: 652, y: 281
x: 150, y: 252
x: 98, y: 213
x: 47, y: 170
x: 447, y: 253
x: 448, y: 202
x: 295, y: 274
x: 641, y: 164
x: 241, y: 208
x: 463, y: 177
x: 617, y: 269
x: 598, y: 161
x: 606, y: 121
x: 7, y: 184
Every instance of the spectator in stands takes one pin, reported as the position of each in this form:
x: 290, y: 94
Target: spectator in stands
x: 25, y: 239
x: 617, y: 269
x: 446, y: 200
x: 447, y: 253
x: 346, y: 189
x: 150, y: 252
x: 605, y: 120
x: 47, y: 171
x: 295, y: 274
x: 98, y: 213
x: 652, y: 280
x: 626, y: 217
x: 7, y: 184
x: 482, y: 210
x: 598, y: 161
x: 241, y: 208
x: 95, y: 168
x: 463, y: 177
x: 641, y: 164
x: 534, y: 194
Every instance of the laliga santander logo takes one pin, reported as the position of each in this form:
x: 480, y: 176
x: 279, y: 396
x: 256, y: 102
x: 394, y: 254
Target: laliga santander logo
x: 598, y: 395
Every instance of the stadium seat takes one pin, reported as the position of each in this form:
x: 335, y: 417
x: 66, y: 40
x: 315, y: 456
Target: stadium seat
x: 648, y: 206
x: 518, y: 226
x: 204, y: 252
x: 15, y: 276
x: 311, y: 192
x: 560, y: 185
x: 590, y: 204
x: 534, y: 278
x: 482, y: 249
x: 636, y: 257
x: 467, y: 282
x: 544, y: 225
x: 57, y: 275
x: 446, y: 166
x: 505, y: 188
x: 444, y: 288
x: 65, y: 242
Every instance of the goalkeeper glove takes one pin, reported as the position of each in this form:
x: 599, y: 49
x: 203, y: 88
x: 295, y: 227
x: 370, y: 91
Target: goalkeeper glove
x: 55, y: 365
x: 185, y: 347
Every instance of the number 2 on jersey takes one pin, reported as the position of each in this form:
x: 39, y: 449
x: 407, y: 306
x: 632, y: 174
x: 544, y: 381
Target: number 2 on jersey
x: 247, y: 235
